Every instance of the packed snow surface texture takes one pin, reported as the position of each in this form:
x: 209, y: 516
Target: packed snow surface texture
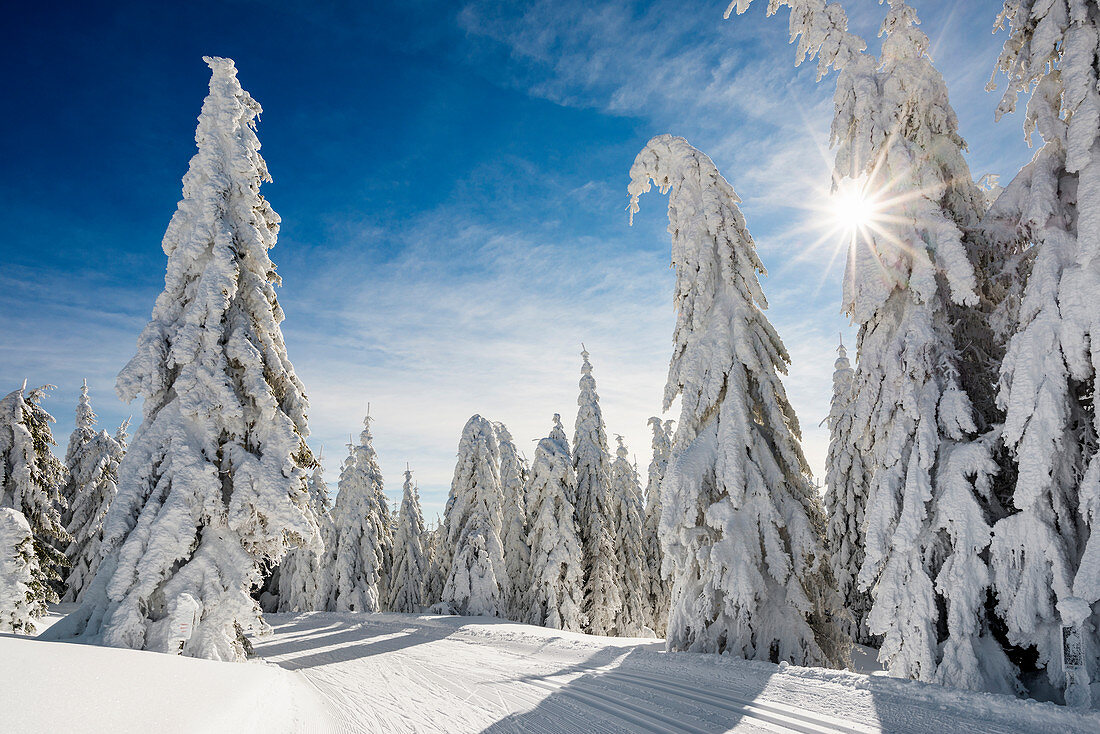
x: 355, y: 672
x: 399, y: 673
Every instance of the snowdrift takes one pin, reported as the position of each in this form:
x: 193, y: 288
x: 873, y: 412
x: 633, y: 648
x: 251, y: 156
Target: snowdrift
x: 63, y: 687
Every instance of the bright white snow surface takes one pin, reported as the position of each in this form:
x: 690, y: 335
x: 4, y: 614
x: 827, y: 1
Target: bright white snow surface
x: 54, y: 687
x: 354, y: 672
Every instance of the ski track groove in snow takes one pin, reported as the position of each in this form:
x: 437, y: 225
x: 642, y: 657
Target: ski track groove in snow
x: 775, y: 714
x: 402, y: 673
x: 643, y: 721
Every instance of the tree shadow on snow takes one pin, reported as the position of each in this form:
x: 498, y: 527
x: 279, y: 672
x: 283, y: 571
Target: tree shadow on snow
x: 352, y: 637
x: 636, y: 690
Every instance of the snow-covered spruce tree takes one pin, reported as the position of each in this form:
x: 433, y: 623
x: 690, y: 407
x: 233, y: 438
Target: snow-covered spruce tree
x: 471, y: 546
x: 1046, y: 557
x: 742, y: 527
x: 927, y: 522
x: 122, y: 434
x: 83, y: 433
x: 22, y: 600
x: 410, y: 564
x: 929, y: 500
x: 436, y: 578
x: 362, y: 537
x: 213, y: 486
x: 658, y: 589
x: 301, y: 574
x: 517, y: 555
x: 846, y: 501
x: 592, y: 467
x: 556, y: 594
x: 31, y: 478
x: 630, y: 559
x: 92, y: 462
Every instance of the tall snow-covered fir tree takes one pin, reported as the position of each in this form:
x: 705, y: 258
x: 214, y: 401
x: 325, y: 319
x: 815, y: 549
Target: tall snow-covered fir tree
x: 362, y: 535
x: 214, y: 483
x: 846, y: 501
x: 517, y: 555
x: 556, y: 596
x: 472, y: 550
x: 92, y: 462
x: 927, y: 526
x: 31, y: 478
x: 436, y: 579
x: 302, y: 572
x: 930, y: 498
x: 83, y: 433
x: 657, y: 587
x: 627, y: 518
x: 592, y: 466
x: 1046, y: 556
x: 22, y: 600
x: 410, y: 564
x: 742, y: 526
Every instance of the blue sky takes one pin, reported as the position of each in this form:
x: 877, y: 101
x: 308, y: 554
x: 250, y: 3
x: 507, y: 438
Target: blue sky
x: 452, y: 183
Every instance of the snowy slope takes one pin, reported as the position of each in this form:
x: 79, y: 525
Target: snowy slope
x: 53, y: 687
x: 396, y: 673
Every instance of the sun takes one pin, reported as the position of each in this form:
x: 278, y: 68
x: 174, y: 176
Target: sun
x: 852, y: 209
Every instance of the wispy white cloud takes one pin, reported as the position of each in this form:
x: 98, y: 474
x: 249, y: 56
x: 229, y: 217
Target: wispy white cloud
x: 492, y: 323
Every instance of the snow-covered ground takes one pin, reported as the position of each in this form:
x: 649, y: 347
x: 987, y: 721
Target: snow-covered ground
x: 53, y: 687
x: 397, y: 673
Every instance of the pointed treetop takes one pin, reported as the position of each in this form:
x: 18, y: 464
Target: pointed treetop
x: 85, y: 416
x: 557, y: 433
x: 621, y: 451
x: 408, y: 478
x: 842, y: 363
x: 365, y: 436
x: 122, y: 435
x: 903, y: 39
x: 220, y: 66
x: 586, y: 366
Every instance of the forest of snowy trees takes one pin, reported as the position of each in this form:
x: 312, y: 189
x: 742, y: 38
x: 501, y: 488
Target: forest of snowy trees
x: 955, y: 535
